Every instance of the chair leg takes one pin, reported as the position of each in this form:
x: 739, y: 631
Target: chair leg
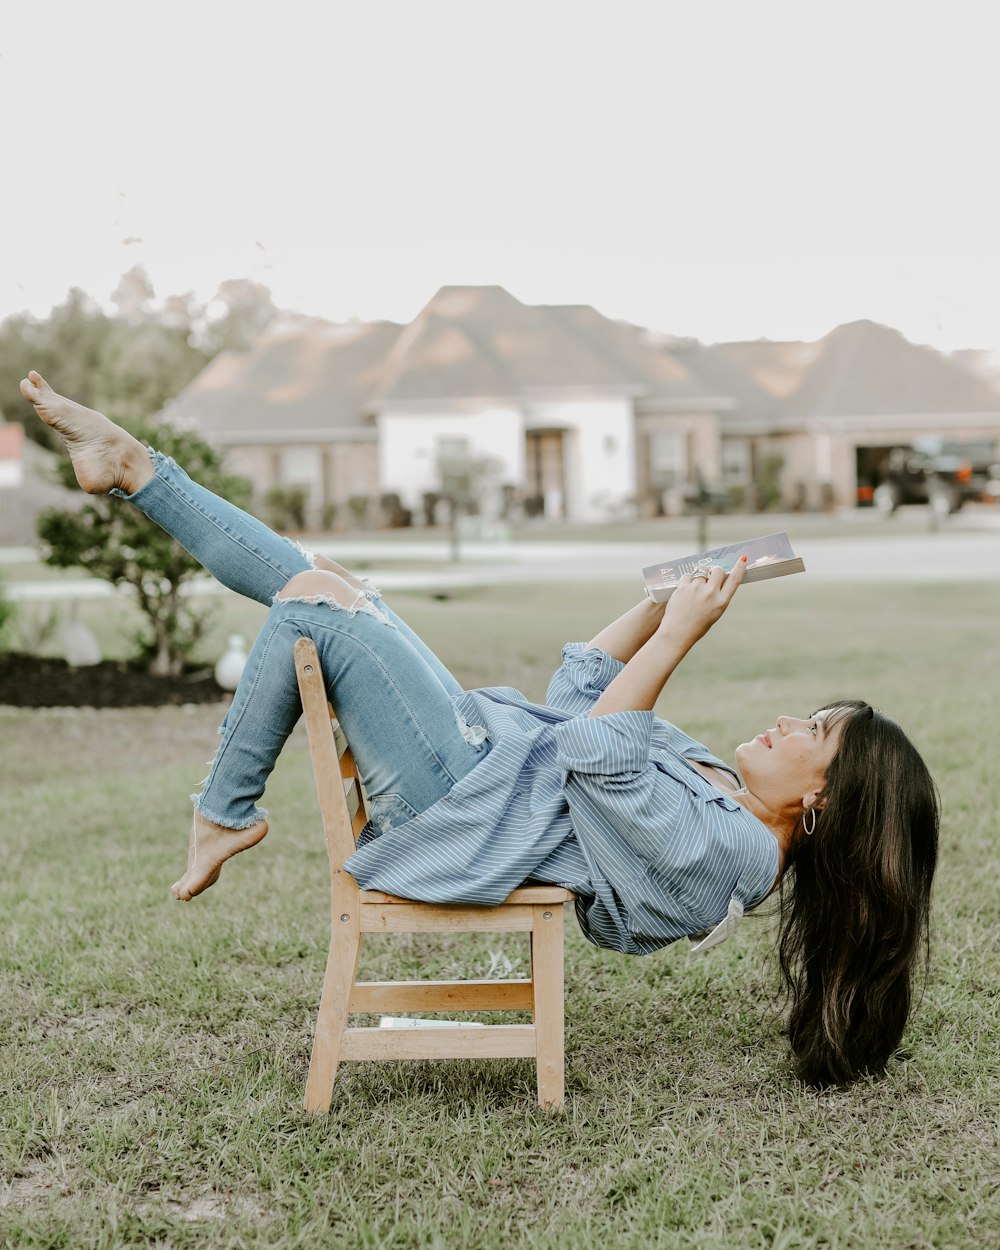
x: 331, y: 1022
x: 547, y: 975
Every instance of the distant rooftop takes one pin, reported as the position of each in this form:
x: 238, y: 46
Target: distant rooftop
x: 860, y: 368
x: 467, y: 343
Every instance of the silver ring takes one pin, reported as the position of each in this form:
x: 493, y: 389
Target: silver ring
x: 700, y: 573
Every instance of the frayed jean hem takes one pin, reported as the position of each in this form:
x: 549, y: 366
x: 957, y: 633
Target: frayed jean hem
x: 259, y: 813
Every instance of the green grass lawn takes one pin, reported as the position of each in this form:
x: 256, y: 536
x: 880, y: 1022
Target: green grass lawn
x: 153, y: 1055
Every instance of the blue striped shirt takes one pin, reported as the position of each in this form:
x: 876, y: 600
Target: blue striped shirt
x: 607, y: 806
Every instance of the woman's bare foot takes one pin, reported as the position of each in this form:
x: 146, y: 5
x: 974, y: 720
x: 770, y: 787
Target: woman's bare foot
x: 210, y: 846
x: 103, y: 454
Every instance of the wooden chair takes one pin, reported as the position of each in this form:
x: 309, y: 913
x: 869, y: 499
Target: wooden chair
x: 535, y: 910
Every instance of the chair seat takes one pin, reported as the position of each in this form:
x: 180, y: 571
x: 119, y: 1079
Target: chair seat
x: 525, y: 895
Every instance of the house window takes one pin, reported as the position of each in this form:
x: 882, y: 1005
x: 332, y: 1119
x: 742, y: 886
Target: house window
x: 736, y: 459
x: 300, y: 466
x: 667, y: 459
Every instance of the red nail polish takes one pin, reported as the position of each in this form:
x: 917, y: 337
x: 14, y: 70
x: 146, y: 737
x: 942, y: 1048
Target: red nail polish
x: 743, y: 559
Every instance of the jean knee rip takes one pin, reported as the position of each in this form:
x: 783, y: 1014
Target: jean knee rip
x: 362, y: 602
x: 303, y: 552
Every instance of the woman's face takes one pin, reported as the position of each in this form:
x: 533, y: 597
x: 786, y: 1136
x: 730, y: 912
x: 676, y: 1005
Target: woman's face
x: 785, y: 767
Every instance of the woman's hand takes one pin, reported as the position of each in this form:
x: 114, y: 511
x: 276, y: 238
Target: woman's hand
x: 698, y: 602
x: 691, y: 611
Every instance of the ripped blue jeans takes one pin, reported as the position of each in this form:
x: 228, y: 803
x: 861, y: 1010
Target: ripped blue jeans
x: 392, y: 694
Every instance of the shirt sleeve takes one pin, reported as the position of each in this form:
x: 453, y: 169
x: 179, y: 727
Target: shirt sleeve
x: 584, y: 674
x: 605, y: 745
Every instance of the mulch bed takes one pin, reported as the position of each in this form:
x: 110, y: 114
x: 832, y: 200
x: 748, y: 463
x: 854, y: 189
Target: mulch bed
x: 30, y: 681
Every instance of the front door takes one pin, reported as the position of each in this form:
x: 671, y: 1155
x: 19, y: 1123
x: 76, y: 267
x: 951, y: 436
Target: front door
x: 545, y: 486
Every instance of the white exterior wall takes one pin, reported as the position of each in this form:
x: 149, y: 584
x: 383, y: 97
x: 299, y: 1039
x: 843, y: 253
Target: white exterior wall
x: 408, y: 443
x: 599, y: 453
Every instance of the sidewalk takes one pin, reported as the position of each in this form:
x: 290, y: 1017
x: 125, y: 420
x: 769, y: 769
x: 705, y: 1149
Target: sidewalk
x: 928, y: 557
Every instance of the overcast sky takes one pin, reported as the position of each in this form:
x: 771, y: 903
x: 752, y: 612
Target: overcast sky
x: 740, y: 169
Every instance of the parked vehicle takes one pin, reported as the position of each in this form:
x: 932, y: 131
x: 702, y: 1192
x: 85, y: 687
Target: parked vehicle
x: 944, y: 475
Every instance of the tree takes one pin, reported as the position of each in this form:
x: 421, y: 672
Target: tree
x: 133, y: 297
x: 128, y: 366
x: 141, y: 367
x: 113, y: 541
x: 467, y: 482
x: 240, y: 313
x: 66, y: 346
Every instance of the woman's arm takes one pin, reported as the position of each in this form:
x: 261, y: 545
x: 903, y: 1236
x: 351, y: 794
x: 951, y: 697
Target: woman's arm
x: 688, y: 615
x: 588, y: 669
x: 623, y: 638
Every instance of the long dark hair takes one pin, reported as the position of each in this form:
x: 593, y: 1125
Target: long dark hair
x: 855, y: 904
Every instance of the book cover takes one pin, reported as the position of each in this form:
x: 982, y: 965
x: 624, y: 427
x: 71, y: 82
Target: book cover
x: 768, y: 556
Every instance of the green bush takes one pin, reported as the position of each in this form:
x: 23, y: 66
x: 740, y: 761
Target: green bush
x: 286, y: 506
x: 358, y: 507
x: 769, y: 480
x: 114, y: 541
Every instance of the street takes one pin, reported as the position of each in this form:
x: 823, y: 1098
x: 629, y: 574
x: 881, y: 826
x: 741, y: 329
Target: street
x: 942, y: 556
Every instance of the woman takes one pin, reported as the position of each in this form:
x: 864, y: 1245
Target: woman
x: 475, y: 792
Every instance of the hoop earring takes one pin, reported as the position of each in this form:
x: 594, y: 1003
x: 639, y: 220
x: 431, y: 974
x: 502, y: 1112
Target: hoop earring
x: 810, y: 811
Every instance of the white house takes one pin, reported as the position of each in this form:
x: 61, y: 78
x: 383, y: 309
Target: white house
x: 577, y: 416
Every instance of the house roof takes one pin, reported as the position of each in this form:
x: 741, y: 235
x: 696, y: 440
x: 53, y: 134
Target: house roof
x: 859, y: 369
x: 659, y: 373
x: 467, y: 343
x: 756, y: 375
x: 479, y: 341
x: 306, y: 374
x: 448, y: 350
x: 475, y: 343
x: 982, y: 361
x: 865, y: 368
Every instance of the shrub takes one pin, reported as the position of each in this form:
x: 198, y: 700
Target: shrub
x: 114, y: 541
x: 287, y: 507
x: 769, y: 480
x: 395, y: 513
x: 358, y: 508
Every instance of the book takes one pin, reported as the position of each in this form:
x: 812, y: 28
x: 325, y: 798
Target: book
x: 769, y: 556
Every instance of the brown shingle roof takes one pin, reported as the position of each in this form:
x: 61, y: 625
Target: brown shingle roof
x: 467, y: 343
x: 858, y: 369
x: 447, y: 350
x: 306, y: 375
x: 866, y: 368
x: 659, y: 373
x: 481, y: 341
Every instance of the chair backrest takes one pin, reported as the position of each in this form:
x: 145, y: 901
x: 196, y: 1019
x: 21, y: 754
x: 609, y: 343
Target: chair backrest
x: 343, y: 808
